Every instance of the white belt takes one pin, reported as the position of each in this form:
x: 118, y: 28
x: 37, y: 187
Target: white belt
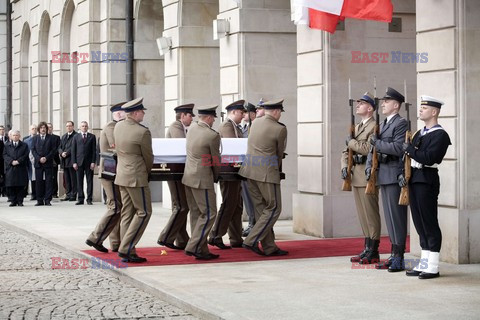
x: 418, y: 165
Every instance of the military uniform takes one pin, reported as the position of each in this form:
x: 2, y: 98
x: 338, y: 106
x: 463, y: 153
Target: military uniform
x: 389, y: 152
x: 367, y: 204
x: 427, y: 150
x: 176, y: 229
x: 203, y: 144
x: 109, y: 224
x: 133, y: 143
x: 229, y: 216
x: 262, y: 166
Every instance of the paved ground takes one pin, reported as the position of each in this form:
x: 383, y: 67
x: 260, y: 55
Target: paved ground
x: 31, y: 289
x: 323, y: 288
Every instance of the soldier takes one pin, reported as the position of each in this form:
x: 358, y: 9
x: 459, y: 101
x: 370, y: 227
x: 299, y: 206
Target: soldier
x: 262, y: 167
x: 109, y: 224
x: 426, y: 150
x: 176, y: 228
x: 249, y: 117
x: 201, y: 172
x: 389, y: 151
x: 133, y: 143
x: 66, y: 162
x: 260, y: 109
x: 230, y: 215
x: 367, y: 204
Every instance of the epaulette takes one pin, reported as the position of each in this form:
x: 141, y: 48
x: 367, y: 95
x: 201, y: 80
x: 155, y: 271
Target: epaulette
x: 143, y: 126
x: 281, y: 124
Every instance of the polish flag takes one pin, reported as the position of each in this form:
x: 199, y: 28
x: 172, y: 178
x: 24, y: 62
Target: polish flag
x: 316, y: 18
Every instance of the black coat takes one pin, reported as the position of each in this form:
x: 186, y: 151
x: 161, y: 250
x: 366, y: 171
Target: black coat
x: 43, y: 149
x: 56, y: 156
x: 1, y: 159
x: 84, y: 152
x: 16, y: 176
x: 66, y: 146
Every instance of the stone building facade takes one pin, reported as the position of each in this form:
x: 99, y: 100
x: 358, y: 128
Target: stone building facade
x: 262, y: 55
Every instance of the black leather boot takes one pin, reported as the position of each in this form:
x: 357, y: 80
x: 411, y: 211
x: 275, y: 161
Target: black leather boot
x: 372, y: 255
x: 359, y: 256
x: 398, y: 264
x: 388, y: 262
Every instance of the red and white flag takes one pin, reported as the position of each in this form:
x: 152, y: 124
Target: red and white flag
x: 324, y: 14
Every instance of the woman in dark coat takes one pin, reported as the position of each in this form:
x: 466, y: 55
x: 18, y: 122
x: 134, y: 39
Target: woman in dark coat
x: 15, y: 155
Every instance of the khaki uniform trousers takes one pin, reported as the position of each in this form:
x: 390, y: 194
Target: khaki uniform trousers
x: 203, y: 209
x: 109, y: 224
x: 229, y: 217
x: 176, y: 228
x: 267, y: 201
x: 368, y: 212
x: 136, y: 212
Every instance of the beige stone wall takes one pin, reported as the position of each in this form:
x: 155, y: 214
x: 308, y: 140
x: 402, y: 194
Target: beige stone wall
x: 3, y: 63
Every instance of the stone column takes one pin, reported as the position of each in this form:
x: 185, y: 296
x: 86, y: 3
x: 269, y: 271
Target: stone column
x: 257, y: 60
x: 449, y: 31
x: 3, y: 63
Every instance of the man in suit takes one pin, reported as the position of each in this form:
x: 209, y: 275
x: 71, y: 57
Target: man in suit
x: 389, y: 151
x: 17, y: 161
x: 262, y: 167
x: 176, y: 229
x: 133, y: 143
x: 367, y: 204
x: 56, y: 159
x: 248, y: 118
x: 229, y: 216
x: 109, y: 224
x: 201, y: 172
x: 426, y: 150
x: 3, y: 141
x: 66, y: 162
x: 43, y: 150
x: 84, y: 154
x: 31, y: 169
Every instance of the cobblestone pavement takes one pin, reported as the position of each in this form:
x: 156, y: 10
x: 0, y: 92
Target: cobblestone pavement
x: 32, y: 286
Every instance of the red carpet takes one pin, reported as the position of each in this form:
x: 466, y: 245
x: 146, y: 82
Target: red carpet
x: 300, y: 249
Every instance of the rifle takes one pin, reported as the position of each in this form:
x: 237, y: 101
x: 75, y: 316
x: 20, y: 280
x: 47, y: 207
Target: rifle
x: 404, y: 199
x: 372, y: 182
x: 347, y: 182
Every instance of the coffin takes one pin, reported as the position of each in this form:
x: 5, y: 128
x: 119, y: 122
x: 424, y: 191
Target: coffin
x: 170, y: 156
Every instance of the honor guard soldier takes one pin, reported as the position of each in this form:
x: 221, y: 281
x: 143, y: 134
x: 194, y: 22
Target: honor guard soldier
x: 426, y: 150
x: 109, y: 224
x: 262, y: 167
x: 367, y: 204
x: 176, y: 229
x: 133, y: 143
x: 389, y: 152
x: 229, y: 216
x: 201, y: 172
x: 248, y: 118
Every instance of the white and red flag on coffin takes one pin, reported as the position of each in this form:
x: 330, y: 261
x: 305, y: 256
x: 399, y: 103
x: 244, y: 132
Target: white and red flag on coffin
x: 323, y: 14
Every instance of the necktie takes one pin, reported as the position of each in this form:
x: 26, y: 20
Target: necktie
x: 43, y: 138
x: 84, y: 137
x: 14, y: 144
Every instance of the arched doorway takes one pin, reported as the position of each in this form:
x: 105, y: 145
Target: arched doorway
x: 23, y: 117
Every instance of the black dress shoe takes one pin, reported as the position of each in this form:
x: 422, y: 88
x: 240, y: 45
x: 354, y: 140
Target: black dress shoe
x: 427, y: 275
x: 385, y: 264
x: 208, y: 256
x: 236, y: 245
x: 20, y: 204
x: 170, y: 245
x: 47, y: 203
x: 13, y: 204
x: 413, y: 273
x: 278, y: 252
x: 246, y: 232
x: 131, y: 258
x: 89, y: 202
x: 38, y: 204
x: 72, y: 199
x: 218, y: 242
x: 254, y: 248
x: 98, y: 247
x: 115, y: 250
x: 78, y: 203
